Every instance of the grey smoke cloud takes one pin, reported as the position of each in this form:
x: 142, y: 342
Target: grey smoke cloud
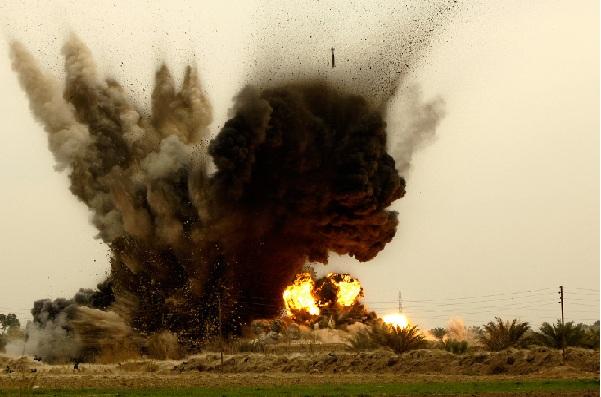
x: 67, y: 138
x: 413, y: 122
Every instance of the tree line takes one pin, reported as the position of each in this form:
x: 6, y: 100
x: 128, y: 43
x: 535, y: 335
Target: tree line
x: 495, y: 335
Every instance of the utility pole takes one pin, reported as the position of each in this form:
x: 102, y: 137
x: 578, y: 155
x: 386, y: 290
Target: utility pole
x: 400, y: 302
x: 563, y: 329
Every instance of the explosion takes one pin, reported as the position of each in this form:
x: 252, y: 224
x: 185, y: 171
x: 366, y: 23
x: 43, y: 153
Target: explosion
x: 348, y: 288
x: 333, y: 300
x: 206, y: 229
x: 396, y: 320
x: 334, y: 296
x: 299, y: 295
x: 301, y: 171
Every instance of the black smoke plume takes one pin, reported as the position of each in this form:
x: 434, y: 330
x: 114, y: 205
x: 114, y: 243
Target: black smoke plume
x: 301, y: 171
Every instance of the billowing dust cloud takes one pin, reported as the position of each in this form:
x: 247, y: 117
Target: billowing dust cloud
x: 301, y: 170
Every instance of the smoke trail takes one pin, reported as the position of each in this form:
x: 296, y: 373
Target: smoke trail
x: 301, y: 170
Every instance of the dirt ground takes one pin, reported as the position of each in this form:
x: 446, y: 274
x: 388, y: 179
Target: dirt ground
x: 248, y: 369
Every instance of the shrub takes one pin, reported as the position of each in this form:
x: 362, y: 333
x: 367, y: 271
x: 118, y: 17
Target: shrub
x: 498, y: 335
x: 455, y: 346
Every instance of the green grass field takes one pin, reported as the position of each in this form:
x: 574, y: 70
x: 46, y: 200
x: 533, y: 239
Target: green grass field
x: 369, y: 389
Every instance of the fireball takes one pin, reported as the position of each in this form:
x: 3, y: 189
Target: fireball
x: 396, y: 320
x: 348, y: 289
x: 299, y: 295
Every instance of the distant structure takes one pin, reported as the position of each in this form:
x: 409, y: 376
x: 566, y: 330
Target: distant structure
x: 333, y: 60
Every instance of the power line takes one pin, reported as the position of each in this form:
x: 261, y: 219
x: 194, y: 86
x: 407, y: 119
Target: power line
x: 586, y: 289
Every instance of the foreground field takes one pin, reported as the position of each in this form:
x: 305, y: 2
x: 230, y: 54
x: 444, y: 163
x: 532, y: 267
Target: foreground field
x: 505, y: 387
x: 532, y: 372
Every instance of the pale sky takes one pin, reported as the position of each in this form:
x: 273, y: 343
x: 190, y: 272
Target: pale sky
x: 501, y: 208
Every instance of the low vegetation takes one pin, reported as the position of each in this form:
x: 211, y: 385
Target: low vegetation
x: 455, y: 346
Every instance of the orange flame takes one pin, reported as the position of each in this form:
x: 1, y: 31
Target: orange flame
x: 299, y: 295
x: 348, y: 289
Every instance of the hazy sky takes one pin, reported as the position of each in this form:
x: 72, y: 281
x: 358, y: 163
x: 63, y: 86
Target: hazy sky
x: 501, y: 208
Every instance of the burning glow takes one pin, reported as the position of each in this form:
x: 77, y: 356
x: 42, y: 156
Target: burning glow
x: 396, y: 320
x: 299, y: 295
x: 348, y: 289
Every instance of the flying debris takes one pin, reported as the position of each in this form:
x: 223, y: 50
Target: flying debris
x: 333, y: 60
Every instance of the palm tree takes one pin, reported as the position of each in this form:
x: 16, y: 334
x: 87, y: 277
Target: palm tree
x: 399, y: 339
x: 553, y: 335
x: 498, y: 335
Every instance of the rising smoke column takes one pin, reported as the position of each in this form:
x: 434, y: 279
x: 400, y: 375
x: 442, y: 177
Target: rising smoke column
x: 301, y: 170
